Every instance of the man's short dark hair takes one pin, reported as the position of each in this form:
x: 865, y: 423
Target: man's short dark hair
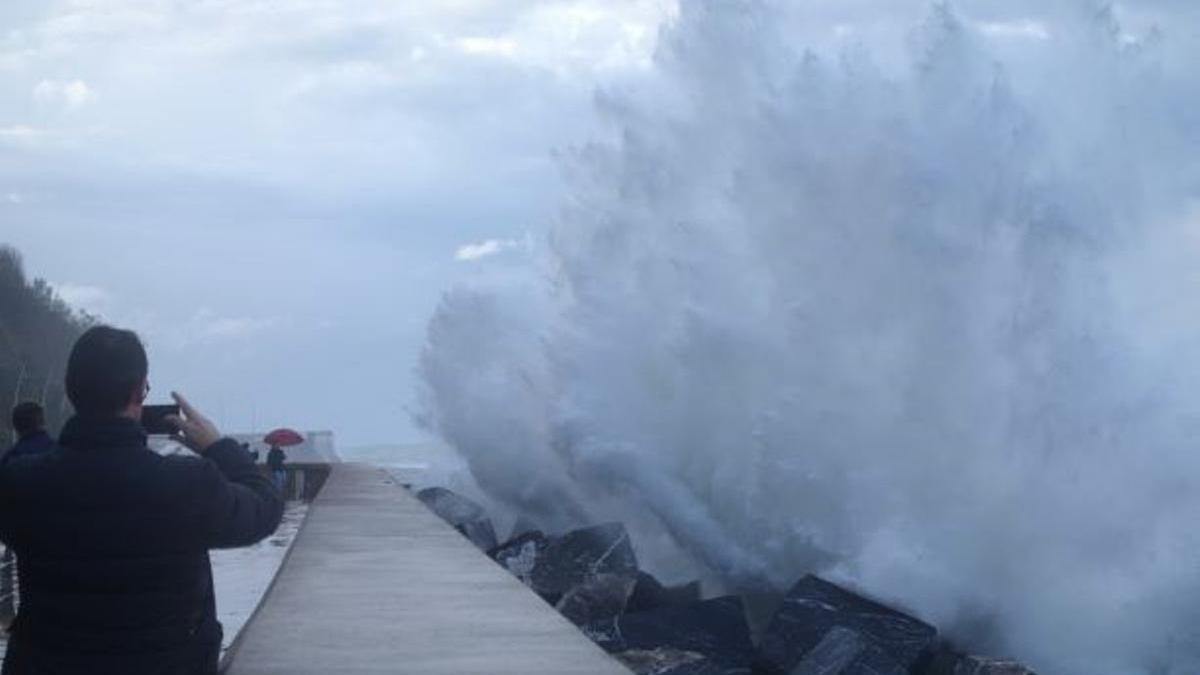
x: 106, y: 366
x: 27, y: 418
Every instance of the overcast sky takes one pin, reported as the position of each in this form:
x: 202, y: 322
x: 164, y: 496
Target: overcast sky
x: 276, y: 192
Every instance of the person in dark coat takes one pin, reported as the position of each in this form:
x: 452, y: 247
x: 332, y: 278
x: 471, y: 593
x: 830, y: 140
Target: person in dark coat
x: 29, y: 423
x: 275, y: 460
x: 112, y: 539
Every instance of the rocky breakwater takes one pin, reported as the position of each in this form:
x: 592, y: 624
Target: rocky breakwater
x: 591, y: 576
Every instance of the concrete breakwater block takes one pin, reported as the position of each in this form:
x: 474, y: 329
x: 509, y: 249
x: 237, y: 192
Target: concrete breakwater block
x: 463, y: 514
x: 814, y: 607
x: 714, y: 629
x: 668, y: 662
x: 522, y: 526
x: 520, y: 555
x: 450, y: 506
x: 603, y: 597
x: 649, y: 594
x: 552, y: 567
x: 948, y: 662
x: 847, y: 652
x: 480, y: 532
x: 580, y: 555
x: 979, y: 665
x: 591, y: 576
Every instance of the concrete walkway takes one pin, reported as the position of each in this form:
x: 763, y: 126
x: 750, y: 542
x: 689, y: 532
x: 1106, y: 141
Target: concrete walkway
x: 375, y: 583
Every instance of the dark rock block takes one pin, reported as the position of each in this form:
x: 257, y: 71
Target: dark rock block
x: 520, y: 555
x: 715, y: 629
x: 523, y: 526
x: 600, y: 598
x: 947, y: 663
x: 667, y: 662
x: 845, y: 652
x: 941, y: 660
x: 480, y: 532
x: 451, y: 507
x: 813, y: 607
x: 580, y: 555
x: 980, y: 665
x: 649, y: 594
x: 553, y: 567
x: 463, y: 514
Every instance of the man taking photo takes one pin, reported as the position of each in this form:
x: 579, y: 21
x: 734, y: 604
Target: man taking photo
x: 112, y: 539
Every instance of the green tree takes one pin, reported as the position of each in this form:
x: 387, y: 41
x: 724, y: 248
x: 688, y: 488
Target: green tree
x: 37, y: 330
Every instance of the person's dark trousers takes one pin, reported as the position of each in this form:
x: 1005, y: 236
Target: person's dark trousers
x: 112, y: 546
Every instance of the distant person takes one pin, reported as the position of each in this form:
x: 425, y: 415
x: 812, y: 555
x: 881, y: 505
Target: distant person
x: 29, y: 423
x: 253, y: 453
x: 275, y: 461
x: 112, y: 539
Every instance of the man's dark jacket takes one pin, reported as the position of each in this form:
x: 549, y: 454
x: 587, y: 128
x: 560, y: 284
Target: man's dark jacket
x: 112, y: 545
x: 31, y: 444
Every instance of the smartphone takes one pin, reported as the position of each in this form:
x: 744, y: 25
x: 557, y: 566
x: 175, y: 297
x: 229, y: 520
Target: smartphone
x: 154, y: 419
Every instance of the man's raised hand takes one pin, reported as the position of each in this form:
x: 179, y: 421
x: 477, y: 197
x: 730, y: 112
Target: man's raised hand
x: 194, y: 429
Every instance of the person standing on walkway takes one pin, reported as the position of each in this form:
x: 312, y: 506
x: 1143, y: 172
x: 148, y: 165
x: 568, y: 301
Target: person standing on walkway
x: 112, y: 539
x: 29, y: 423
x: 275, y: 461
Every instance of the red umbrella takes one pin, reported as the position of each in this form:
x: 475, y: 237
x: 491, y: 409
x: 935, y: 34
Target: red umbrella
x: 283, y: 438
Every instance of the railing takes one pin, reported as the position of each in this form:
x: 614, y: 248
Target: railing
x: 10, y: 591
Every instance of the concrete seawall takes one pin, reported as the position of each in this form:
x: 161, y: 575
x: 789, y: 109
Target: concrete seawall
x: 375, y: 583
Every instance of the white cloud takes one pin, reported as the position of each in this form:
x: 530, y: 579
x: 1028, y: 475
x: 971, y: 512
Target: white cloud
x: 70, y: 95
x: 593, y: 36
x: 1021, y: 29
x: 576, y: 37
x: 18, y: 133
x: 14, y: 198
x: 487, y: 46
x: 92, y: 299
x: 204, y: 327
x: 209, y: 327
x: 484, y: 249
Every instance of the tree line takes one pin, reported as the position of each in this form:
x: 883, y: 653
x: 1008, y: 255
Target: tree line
x: 37, y: 330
